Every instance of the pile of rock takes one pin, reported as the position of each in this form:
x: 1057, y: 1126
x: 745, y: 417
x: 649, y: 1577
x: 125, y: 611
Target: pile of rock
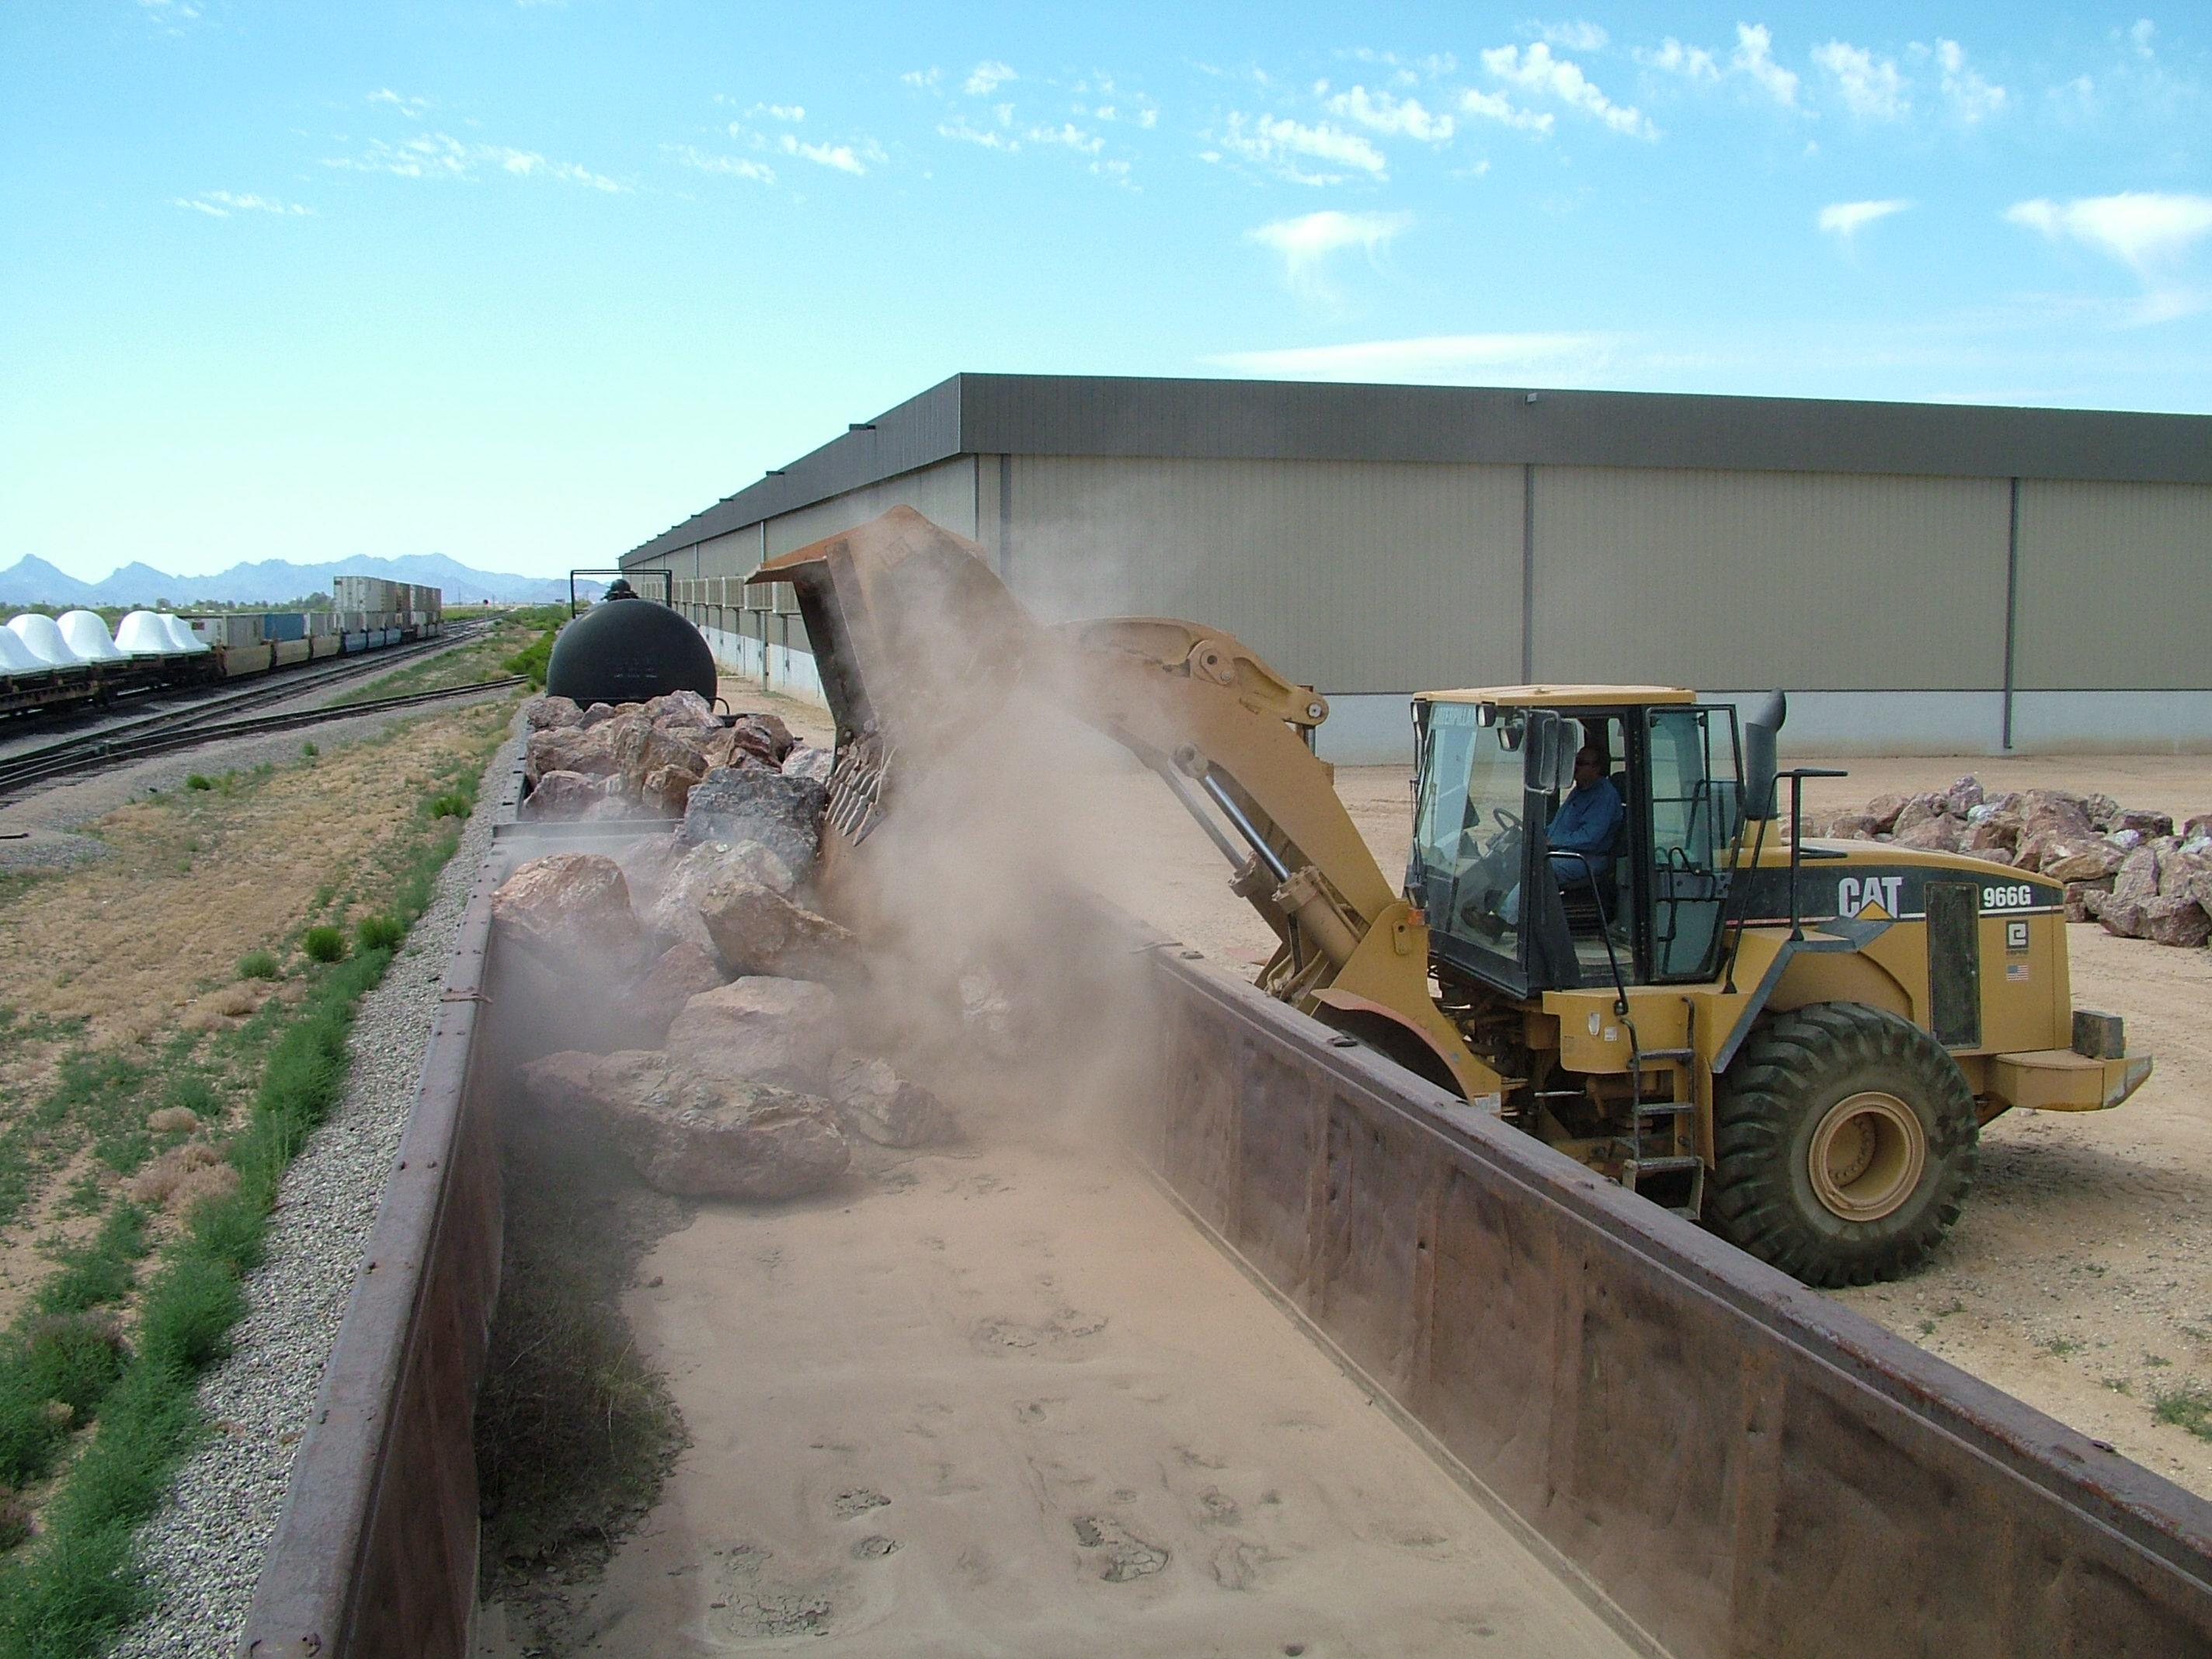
x: 739, y: 1066
x: 2125, y: 866
x: 638, y: 759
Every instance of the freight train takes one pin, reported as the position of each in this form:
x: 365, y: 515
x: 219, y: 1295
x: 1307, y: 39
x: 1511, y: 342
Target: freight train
x: 48, y: 663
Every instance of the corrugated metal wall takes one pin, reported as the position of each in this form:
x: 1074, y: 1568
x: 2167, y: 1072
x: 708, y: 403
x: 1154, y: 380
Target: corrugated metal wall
x: 945, y: 493
x: 2115, y: 586
x: 1352, y: 575
x: 1811, y: 580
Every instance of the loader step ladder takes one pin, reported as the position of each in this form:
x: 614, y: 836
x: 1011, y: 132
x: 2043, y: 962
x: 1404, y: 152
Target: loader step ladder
x: 1660, y: 1127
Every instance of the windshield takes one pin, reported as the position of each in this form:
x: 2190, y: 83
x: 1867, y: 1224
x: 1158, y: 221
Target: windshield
x: 1467, y: 841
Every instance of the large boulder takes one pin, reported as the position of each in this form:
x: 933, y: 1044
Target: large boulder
x: 2052, y: 819
x: 2091, y: 861
x: 804, y: 761
x: 771, y: 1030
x: 758, y: 931
x: 667, y: 790
x: 1851, y: 826
x: 2185, y: 873
x: 544, y: 714
x: 2144, y: 822
x: 683, y: 711
x: 648, y: 863
x: 569, y: 910
x: 1964, y: 796
x: 673, y: 911
x: 2134, y: 886
x: 762, y: 737
x: 784, y: 814
x: 1884, y: 810
x: 599, y: 714
x: 2104, y: 812
x: 681, y: 972
x: 874, y: 1101
x: 1937, y: 831
x: 565, y: 795
x: 692, y: 1133
x: 2175, y: 920
x: 587, y: 750
x: 2085, y: 900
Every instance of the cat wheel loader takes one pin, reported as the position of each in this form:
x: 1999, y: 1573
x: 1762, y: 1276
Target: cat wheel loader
x: 1795, y: 1042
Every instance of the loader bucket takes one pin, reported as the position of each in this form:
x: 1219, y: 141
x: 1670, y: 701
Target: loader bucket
x: 916, y: 639
x: 917, y: 643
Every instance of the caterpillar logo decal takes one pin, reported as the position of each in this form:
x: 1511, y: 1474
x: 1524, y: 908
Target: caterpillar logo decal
x: 1855, y: 894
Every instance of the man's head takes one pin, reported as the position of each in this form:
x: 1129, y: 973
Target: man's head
x: 1589, y: 765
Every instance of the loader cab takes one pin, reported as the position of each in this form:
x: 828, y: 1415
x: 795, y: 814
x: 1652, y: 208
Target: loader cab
x: 1504, y: 908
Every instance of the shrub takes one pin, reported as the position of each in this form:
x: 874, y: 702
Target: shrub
x: 309, y: 749
x: 258, y: 964
x: 532, y: 659
x: 324, y: 943
x: 380, y: 932
x: 199, y: 781
x: 451, y: 804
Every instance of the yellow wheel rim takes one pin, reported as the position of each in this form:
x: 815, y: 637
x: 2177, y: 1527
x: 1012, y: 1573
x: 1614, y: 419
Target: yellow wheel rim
x: 1866, y: 1155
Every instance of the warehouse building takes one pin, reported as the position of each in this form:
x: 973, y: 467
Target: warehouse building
x: 1920, y: 578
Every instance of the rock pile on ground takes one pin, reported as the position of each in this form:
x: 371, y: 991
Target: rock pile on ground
x: 2127, y: 868
x: 735, y: 1072
x: 635, y: 759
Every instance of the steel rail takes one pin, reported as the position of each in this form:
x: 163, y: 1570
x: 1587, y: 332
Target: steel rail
x: 89, y: 754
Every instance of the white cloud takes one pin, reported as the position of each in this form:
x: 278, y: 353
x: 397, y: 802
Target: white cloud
x: 780, y: 112
x: 1067, y: 133
x: 412, y: 108
x: 1536, y: 71
x: 1433, y: 355
x: 2144, y: 229
x: 1673, y: 57
x: 1755, y: 56
x: 2139, y: 36
x: 1972, y: 97
x: 842, y: 158
x: 222, y: 203
x: 1307, y: 241
x: 986, y: 77
x: 1844, y: 220
x: 441, y: 156
x: 740, y: 166
x: 1496, y: 107
x: 973, y: 134
x: 1274, y: 140
x: 1872, y: 87
x: 1381, y: 112
x: 1578, y: 36
x: 923, y: 80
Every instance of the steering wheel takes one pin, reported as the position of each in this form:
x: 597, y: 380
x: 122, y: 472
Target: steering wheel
x: 1509, y: 822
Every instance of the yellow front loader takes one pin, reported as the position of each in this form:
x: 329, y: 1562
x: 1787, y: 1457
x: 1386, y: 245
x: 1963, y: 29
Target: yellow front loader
x: 1795, y: 1042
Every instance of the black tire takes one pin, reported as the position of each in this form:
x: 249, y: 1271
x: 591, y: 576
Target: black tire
x: 1859, y: 1082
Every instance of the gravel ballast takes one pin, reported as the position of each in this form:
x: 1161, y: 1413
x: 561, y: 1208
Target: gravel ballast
x: 203, y: 1550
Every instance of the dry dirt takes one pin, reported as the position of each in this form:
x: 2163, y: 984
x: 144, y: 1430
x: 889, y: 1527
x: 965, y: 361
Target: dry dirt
x: 2080, y: 1278
x: 145, y: 939
x: 1038, y: 1414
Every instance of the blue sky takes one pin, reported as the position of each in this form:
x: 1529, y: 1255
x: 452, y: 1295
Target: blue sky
x: 524, y: 283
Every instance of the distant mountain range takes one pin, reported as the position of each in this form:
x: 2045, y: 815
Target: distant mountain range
x: 31, y: 580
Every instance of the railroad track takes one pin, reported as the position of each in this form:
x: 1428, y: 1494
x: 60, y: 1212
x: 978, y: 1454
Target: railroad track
x: 104, y: 749
x: 275, y: 686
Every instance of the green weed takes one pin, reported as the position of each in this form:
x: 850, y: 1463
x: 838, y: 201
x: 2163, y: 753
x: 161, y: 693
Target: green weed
x: 258, y: 964
x: 2189, y: 1406
x: 324, y: 943
x: 380, y: 933
x: 309, y: 751
x: 451, y: 804
x: 199, y: 781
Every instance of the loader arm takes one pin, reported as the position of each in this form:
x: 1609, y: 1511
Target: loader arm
x: 916, y: 640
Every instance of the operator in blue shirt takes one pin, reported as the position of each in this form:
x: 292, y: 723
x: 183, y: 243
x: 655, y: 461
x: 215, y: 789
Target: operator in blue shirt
x: 1583, y: 834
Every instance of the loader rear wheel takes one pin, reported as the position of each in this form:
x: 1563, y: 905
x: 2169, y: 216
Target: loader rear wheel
x: 1844, y: 1142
